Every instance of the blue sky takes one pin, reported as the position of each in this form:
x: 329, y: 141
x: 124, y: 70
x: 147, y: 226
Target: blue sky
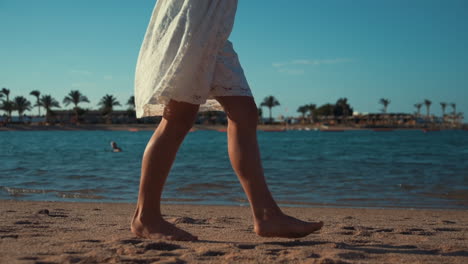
x: 301, y: 51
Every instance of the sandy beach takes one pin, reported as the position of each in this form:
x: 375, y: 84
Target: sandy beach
x: 58, y: 232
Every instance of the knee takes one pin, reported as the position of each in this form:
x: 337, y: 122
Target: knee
x: 244, y: 114
x: 181, y: 115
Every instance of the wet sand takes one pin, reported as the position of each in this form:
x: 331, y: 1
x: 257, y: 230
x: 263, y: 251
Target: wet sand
x: 57, y: 232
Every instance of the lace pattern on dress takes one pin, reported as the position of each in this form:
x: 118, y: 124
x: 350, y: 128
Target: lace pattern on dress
x: 186, y: 57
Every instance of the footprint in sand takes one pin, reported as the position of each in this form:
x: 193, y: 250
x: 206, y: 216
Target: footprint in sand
x: 213, y: 253
x: 168, y: 254
x: 384, y: 230
x: 360, y: 241
x: 90, y: 241
x: 58, y: 213
x: 9, y: 236
x: 352, y: 256
x: 246, y: 246
x: 275, y: 251
x: 7, y: 230
x: 23, y: 223
x: 168, y: 261
x: 364, y: 233
x: 416, y: 231
x: 331, y: 261
x: 43, y: 212
x: 29, y: 258
x: 448, y: 222
x: 405, y: 233
x: 222, y: 220
x: 313, y: 255
x: 295, y: 243
x: 444, y: 229
x: 186, y: 220
x: 162, y: 246
x: 131, y: 241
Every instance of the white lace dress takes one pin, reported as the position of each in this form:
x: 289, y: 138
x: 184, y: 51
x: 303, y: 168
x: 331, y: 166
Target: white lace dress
x: 186, y: 56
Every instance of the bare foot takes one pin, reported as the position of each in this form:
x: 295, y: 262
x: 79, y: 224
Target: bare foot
x: 160, y: 229
x: 282, y: 225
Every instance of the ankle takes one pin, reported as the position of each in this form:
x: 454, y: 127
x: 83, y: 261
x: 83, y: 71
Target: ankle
x: 265, y: 214
x: 144, y: 215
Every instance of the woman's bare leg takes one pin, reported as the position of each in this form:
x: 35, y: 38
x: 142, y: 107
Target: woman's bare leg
x: 244, y: 154
x: 157, y: 161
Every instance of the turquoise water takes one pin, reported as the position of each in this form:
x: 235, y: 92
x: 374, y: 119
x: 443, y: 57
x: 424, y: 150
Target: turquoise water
x: 303, y: 168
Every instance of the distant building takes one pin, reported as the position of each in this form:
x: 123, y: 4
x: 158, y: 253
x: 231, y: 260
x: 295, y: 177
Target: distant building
x: 93, y: 117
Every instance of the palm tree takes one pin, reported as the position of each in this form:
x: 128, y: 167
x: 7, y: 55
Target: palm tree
x: 1, y: 105
x: 75, y: 97
x: 131, y: 109
x: 7, y: 105
x: 342, y: 109
x: 454, y: 107
x: 21, y: 105
x: 303, y: 110
x: 270, y: 102
x: 107, y: 103
x: 428, y: 103
x: 311, y: 108
x: 443, y: 105
x: 131, y: 101
x: 6, y: 92
x: 48, y: 102
x: 37, y: 94
x: 260, y: 114
x: 418, y: 107
x: 385, y: 103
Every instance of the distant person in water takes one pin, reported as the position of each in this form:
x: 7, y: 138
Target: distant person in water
x: 186, y: 64
x: 115, y: 148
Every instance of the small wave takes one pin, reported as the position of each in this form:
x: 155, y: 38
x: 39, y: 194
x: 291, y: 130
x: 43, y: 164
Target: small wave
x: 40, y: 172
x: 19, y: 169
x: 407, y: 187
x: 73, y: 194
x: 367, y: 200
x: 82, y: 177
x: 292, y: 158
x: 194, y: 187
x: 31, y: 183
x: 86, y: 191
x: 461, y: 195
x: 181, y: 200
x: 14, y: 191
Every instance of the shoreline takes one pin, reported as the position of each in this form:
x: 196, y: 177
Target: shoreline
x: 77, y: 232
x: 220, y: 128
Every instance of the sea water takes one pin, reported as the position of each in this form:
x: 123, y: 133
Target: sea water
x: 409, y: 168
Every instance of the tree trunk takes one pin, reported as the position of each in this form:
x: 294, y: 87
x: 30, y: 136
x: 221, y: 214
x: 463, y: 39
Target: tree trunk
x: 271, y: 119
x: 38, y: 107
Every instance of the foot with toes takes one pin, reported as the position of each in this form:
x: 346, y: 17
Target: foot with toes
x: 285, y: 226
